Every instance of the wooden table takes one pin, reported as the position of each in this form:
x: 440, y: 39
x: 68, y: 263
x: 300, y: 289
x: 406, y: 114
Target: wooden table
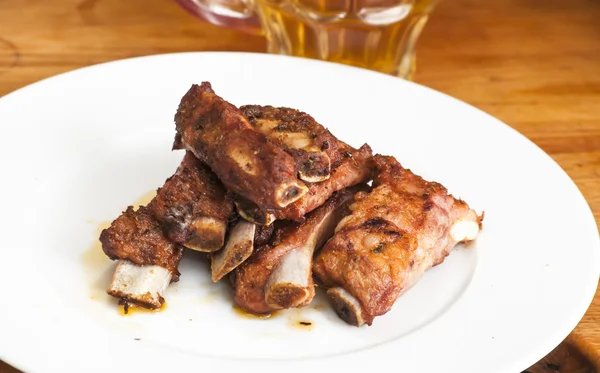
x: 535, y: 64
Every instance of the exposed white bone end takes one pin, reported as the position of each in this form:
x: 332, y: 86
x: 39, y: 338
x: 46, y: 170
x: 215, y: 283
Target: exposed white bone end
x: 464, y: 230
x: 346, y: 306
x: 288, y: 285
x: 209, y: 235
x: 288, y: 295
x: 140, y: 285
x: 294, y: 267
x: 318, y: 169
x: 289, y: 192
x: 238, y: 248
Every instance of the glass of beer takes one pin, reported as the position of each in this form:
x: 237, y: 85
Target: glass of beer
x: 374, y: 34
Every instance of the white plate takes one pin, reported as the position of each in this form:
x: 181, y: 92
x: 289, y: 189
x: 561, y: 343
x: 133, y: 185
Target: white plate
x: 76, y: 149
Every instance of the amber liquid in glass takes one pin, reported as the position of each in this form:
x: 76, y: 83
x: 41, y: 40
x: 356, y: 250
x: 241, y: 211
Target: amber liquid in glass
x: 374, y: 34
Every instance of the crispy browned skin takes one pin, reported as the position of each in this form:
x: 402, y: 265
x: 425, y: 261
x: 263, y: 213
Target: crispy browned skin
x: 243, y: 159
x: 250, y: 278
x: 394, y: 234
x: 136, y: 236
x: 192, y: 206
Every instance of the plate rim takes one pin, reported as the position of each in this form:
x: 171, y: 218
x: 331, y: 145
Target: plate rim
x: 558, y: 334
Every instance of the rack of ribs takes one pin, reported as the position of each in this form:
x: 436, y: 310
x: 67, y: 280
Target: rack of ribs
x: 191, y: 209
x: 296, y: 189
x: 404, y: 226
x: 278, y: 275
x: 244, y: 160
x: 326, y: 163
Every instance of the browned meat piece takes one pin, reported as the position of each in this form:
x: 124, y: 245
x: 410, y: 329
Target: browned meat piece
x: 138, y: 237
x: 243, y: 159
x: 299, y: 134
x: 192, y: 206
x: 148, y: 261
x: 311, y: 144
x: 278, y: 275
x: 394, y: 234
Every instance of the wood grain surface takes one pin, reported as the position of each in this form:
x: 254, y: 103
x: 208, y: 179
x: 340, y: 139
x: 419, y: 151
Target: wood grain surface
x: 534, y: 64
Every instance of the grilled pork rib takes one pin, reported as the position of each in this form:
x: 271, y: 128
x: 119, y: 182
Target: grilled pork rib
x: 278, y: 275
x: 404, y: 226
x: 148, y: 261
x: 243, y: 159
x: 192, y: 207
x: 321, y: 159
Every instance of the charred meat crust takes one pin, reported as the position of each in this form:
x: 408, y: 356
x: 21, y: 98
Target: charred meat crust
x: 263, y: 234
x: 136, y: 236
x: 188, y: 201
x: 243, y: 159
x: 298, y: 134
x: 281, y: 120
x: 348, y: 166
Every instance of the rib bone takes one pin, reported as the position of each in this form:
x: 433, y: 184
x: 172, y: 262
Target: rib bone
x: 346, y: 306
x: 208, y: 236
x: 278, y: 276
x: 315, y: 167
x: 142, y: 285
x: 291, y: 285
x: 240, y: 245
